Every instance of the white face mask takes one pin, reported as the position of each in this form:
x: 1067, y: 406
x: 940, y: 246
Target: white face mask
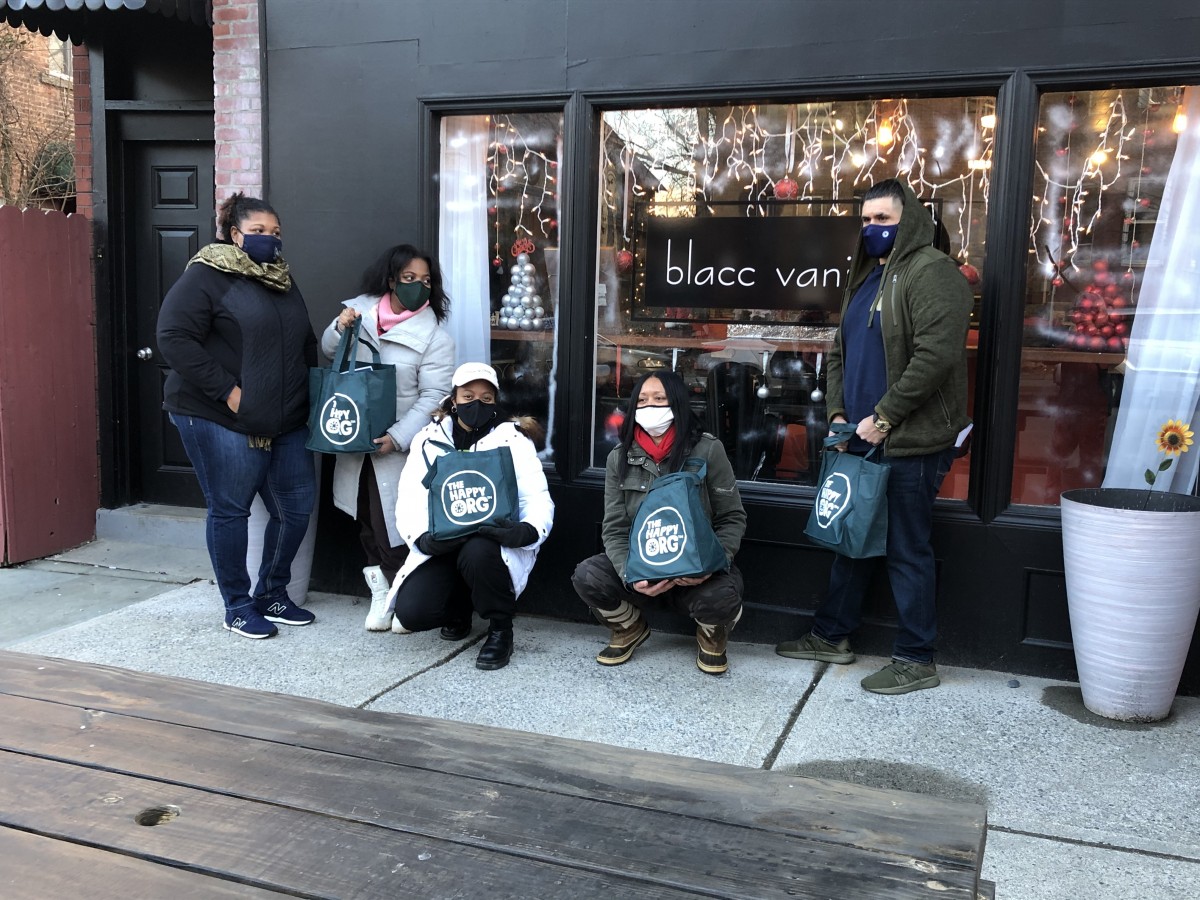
x: 655, y: 420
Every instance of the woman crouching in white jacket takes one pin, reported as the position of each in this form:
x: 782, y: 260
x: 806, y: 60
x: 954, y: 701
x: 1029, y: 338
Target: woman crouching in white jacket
x: 443, y: 581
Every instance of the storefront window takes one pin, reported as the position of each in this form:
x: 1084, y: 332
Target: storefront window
x: 725, y: 235
x: 1111, y: 275
x: 498, y: 247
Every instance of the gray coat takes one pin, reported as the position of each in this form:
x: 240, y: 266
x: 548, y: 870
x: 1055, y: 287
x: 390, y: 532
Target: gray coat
x: 423, y: 354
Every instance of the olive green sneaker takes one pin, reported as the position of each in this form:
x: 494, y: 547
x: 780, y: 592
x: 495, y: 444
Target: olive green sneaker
x: 900, y: 677
x: 812, y: 647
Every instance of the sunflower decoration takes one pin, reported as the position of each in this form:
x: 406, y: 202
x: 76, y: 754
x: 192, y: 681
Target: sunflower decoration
x: 1174, y: 438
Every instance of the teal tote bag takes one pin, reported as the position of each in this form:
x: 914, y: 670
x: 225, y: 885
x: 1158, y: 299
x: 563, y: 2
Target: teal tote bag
x: 351, y: 403
x: 671, y: 535
x: 469, y: 488
x: 850, y: 512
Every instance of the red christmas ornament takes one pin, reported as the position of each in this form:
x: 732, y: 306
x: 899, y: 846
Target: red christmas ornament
x: 1145, y: 201
x: 1128, y: 276
x: 624, y: 260
x: 1057, y: 281
x: 786, y: 189
x: 970, y: 273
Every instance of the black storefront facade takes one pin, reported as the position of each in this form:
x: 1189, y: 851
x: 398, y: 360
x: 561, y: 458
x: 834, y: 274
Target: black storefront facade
x: 578, y: 133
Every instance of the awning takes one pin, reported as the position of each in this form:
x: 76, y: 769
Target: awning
x: 73, y: 19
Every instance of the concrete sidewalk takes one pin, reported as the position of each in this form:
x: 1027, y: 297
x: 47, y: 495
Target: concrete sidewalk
x: 1078, y: 806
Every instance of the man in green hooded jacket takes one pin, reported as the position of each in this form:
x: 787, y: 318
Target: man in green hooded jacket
x: 898, y: 370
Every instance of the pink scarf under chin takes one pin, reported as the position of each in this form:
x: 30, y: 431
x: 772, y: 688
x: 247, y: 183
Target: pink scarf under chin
x: 388, y: 319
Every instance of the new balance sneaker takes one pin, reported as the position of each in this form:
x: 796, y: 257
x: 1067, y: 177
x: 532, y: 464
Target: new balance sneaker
x: 900, y: 677
x: 812, y: 647
x: 285, y: 612
x: 248, y: 623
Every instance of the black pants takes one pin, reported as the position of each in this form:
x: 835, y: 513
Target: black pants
x: 444, y: 589
x: 716, y: 601
x: 372, y: 526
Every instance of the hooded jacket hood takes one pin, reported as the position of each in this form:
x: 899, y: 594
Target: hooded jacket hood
x: 915, y: 230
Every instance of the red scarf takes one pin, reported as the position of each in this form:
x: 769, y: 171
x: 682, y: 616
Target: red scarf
x: 657, y: 452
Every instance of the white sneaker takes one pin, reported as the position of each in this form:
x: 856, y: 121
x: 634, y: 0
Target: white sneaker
x: 397, y: 628
x: 380, y: 615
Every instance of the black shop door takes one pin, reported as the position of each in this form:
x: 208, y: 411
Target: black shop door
x: 169, y: 190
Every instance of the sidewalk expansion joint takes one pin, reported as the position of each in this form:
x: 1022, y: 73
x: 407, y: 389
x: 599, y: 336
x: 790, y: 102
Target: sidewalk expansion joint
x: 458, y: 651
x: 1098, y: 845
x: 769, y: 760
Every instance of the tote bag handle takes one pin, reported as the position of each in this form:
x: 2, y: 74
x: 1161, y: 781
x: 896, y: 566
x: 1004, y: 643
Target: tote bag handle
x: 351, y: 338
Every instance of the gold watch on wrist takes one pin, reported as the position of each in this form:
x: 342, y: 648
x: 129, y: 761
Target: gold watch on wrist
x: 881, y: 424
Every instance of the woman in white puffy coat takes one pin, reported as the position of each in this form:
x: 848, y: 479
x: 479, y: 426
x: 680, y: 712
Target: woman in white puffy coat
x: 402, y: 306
x: 443, y: 582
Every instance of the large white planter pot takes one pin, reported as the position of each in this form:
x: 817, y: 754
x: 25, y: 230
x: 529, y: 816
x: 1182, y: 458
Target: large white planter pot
x: 1132, y: 562
x: 302, y: 564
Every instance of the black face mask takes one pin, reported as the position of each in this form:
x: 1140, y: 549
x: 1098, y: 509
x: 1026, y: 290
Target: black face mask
x: 476, y: 414
x: 412, y: 295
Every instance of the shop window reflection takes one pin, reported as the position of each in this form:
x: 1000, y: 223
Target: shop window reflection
x: 498, y: 245
x: 788, y: 173
x: 1102, y: 162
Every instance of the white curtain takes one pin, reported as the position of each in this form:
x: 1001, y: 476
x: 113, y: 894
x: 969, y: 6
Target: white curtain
x: 1162, y: 370
x: 462, y: 235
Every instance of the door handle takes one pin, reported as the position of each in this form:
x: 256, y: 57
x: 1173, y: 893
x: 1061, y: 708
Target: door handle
x: 145, y: 353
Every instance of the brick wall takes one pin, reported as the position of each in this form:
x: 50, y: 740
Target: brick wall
x: 35, y: 109
x: 81, y: 71
x: 238, y: 98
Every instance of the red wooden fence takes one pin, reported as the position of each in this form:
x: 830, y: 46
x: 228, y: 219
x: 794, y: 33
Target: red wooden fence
x: 49, y: 482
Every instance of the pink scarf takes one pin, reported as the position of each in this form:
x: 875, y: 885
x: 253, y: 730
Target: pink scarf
x: 387, y: 319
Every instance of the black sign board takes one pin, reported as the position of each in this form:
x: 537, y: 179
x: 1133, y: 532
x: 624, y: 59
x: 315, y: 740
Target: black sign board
x: 735, y: 262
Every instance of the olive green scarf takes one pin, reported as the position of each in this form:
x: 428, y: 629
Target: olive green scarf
x: 233, y: 259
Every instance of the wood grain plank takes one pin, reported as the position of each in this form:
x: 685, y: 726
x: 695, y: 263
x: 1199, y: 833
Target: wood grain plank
x: 33, y: 867
x: 677, y: 850
x: 941, y: 831
x: 272, y: 847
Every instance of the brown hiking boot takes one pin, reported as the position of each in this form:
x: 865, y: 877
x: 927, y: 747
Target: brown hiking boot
x: 629, y: 630
x: 711, y: 657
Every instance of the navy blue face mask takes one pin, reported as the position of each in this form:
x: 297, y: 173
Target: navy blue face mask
x: 879, y: 240
x: 262, y: 248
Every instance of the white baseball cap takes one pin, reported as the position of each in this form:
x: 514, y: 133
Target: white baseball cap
x: 475, y: 371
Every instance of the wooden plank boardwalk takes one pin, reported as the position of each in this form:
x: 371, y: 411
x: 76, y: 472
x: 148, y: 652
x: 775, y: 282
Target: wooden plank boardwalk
x: 121, y: 784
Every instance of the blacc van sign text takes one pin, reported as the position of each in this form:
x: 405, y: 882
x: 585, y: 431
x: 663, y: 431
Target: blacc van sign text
x: 777, y: 262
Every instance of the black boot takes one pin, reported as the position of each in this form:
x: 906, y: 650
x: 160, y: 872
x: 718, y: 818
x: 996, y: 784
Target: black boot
x: 496, y: 650
x: 456, y: 631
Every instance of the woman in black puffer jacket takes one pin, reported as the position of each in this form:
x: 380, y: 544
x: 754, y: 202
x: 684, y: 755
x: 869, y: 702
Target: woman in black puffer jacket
x: 236, y: 334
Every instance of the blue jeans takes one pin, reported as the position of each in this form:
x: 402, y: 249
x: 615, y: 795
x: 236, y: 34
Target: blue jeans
x: 231, y: 473
x: 913, y: 483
